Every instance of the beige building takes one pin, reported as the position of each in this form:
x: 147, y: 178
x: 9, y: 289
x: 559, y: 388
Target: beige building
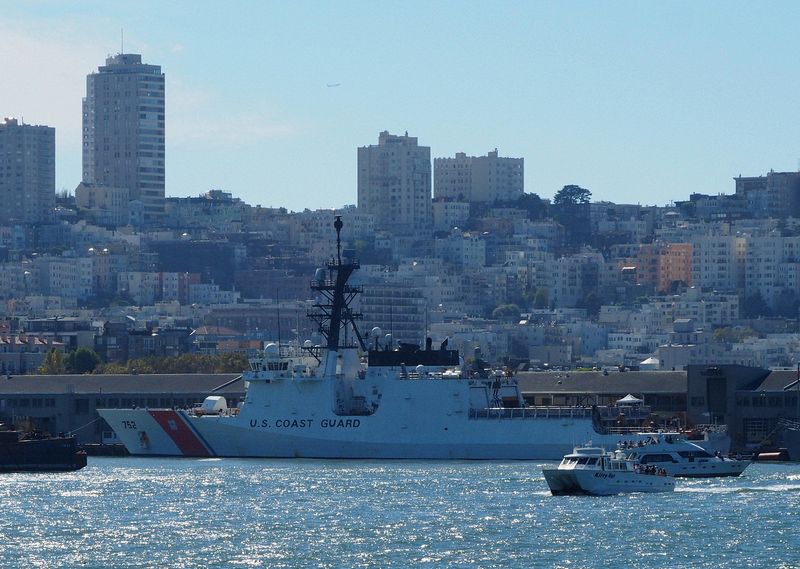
x: 718, y: 262
x: 487, y: 178
x: 394, y: 184
x: 103, y: 204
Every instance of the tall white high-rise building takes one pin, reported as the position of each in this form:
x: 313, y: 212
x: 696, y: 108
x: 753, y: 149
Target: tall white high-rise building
x: 487, y: 178
x: 394, y: 184
x: 27, y: 172
x: 123, y: 131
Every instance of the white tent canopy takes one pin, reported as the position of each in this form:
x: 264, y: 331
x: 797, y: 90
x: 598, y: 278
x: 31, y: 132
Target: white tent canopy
x: 629, y: 400
x: 649, y: 364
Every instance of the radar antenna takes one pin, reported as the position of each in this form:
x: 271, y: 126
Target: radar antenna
x: 338, y: 226
x: 333, y: 313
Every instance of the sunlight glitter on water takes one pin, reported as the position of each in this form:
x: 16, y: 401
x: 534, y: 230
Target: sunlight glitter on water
x: 165, y: 512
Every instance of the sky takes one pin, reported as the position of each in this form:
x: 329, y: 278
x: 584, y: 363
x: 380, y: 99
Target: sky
x: 639, y: 102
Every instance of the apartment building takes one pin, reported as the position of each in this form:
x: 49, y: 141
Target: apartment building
x: 123, y: 131
x: 394, y: 184
x: 27, y: 172
x: 485, y: 179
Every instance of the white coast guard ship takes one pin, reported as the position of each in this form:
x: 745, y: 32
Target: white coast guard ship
x: 350, y: 400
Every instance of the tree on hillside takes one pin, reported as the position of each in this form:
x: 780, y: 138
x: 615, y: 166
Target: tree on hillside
x: 533, y: 204
x: 82, y: 360
x: 229, y: 362
x: 787, y: 303
x: 508, y: 312
x: 53, y: 364
x: 732, y: 335
x: 571, y: 210
x: 592, y: 303
x: 572, y: 195
x: 540, y: 299
x: 754, y: 306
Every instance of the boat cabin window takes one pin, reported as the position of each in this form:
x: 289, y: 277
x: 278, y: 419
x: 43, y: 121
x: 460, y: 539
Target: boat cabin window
x: 648, y: 458
x: 694, y: 454
x: 592, y: 461
x: 277, y: 366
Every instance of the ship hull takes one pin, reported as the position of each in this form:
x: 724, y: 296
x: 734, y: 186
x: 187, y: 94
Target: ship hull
x: 58, y: 454
x: 603, y: 483
x: 168, y: 432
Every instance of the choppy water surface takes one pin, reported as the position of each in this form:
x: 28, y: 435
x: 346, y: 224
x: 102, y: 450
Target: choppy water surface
x: 135, y: 512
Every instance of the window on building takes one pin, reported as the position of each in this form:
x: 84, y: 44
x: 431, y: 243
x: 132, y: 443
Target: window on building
x: 755, y: 429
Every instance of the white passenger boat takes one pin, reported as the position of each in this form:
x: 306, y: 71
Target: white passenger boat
x: 357, y: 397
x: 597, y: 472
x: 681, y: 457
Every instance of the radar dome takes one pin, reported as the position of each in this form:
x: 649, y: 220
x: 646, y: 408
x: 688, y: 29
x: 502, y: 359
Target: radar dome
x: 376, y: 332
x: 272, y: 350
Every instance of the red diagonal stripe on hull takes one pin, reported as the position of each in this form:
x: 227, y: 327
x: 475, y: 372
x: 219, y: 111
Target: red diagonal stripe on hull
x: 179, y: 432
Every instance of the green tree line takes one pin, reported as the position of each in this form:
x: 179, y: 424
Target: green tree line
x: 84, y: 360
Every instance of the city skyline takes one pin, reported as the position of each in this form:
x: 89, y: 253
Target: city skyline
x: 639, y: 104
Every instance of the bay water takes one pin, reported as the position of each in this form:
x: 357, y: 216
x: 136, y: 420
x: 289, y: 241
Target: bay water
x: 148, y: 512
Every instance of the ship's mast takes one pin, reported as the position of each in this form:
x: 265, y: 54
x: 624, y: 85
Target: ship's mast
x: 334, y: 314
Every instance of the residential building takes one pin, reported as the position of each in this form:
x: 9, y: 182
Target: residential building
x: 485, y: 179
x: 104, y: 205
x: 394, y: 184
x: 123, y: 131
x: 68, y: 277
x: 775, y: 195
x: 449, y: 214
x: 773, y: 266
x: 214, y: 209
x: 396, y: 307
x: 674, y: 266
x: 718, y: 262
x: 27, y: 172
x: 465, y: 250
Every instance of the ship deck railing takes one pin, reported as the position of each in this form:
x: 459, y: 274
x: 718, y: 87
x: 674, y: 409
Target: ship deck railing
x: 790, y: 424
x: 708, y: 428
x: 229, y: 412
x: 624, y: 430
x: 531, y: 413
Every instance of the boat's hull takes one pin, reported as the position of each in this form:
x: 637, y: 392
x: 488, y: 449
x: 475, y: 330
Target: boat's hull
x: 58, y: 454
x: 711, y: 468
x: 604, y: 483
x: 167, y: 432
